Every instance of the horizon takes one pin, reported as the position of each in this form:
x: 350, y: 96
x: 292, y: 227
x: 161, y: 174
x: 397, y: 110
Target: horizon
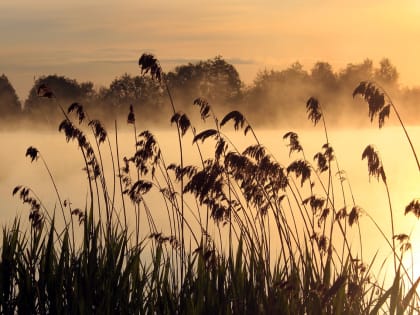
x: 100, y: 40
x: 248, y: 80
x: 237, y: 184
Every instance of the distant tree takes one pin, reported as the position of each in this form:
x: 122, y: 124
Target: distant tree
x: 142, y: 92
x: 63, y: 88
x: 87, y: 90
x: 65, y: 91
x: 9, y: 102
x: 294, y: 74
x: 221, y: 80
x: 214, y: 79
x: 353, y: 74
x: 277, y: 95
x: 386, y: 74
x: 322, y: 76
x: 186, y: 78
x: 127, y: 89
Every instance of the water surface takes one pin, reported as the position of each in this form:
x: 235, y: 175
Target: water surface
x: 65, y: 162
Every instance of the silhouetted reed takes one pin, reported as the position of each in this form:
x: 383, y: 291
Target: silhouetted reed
x: 245, y: 234
x: 149, y: 64
x: 380, y: 104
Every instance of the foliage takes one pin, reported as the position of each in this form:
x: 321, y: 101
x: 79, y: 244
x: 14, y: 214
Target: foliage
x: 274, y: 97
x: 10, y: 106
x: 214, y: 79
x: 245, y: 234
x: 42, y: 109
x: 128, y: 89
x: 63, y: 87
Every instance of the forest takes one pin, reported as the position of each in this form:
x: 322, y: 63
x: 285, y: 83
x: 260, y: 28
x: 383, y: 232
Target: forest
x: 274, y: 96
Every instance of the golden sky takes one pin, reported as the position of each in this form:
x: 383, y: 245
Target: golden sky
x: 98, y: 40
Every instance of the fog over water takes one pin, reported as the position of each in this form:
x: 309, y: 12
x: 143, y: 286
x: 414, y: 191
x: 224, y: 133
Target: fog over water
x: 66, y: 163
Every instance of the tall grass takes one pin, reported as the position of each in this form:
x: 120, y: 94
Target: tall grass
x: 246, y: 233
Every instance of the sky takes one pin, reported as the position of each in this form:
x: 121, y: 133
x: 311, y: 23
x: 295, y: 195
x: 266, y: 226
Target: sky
x: 98, y: 40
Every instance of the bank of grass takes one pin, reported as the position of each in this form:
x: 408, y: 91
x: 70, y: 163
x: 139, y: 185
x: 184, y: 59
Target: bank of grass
x: 245, y: 233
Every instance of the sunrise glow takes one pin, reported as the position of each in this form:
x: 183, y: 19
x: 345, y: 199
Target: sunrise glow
x: 209, y: 157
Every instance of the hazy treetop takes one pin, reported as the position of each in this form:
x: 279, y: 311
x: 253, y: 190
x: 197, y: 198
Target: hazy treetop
x: 273, y: 95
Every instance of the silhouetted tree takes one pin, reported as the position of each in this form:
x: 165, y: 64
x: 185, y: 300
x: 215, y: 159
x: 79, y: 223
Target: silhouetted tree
x: 354, y: 73
x: 10, y: 106
x: 142, y: 92
x: 386, y: 74
x: 322, y: 76
x: 214, y: 79
x: 294, y: 74
x: 274, y: 95
x: 64, y: 90
x: 128, y: 89
x: 221, y: 81
x: 277, y: 95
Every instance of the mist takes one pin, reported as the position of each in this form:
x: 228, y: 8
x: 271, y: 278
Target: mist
x: 66, y: 164
x: 273, y: 105
x: 275, y: 98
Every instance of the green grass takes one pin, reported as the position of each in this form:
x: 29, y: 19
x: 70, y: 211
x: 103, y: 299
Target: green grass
x: 246, y: 234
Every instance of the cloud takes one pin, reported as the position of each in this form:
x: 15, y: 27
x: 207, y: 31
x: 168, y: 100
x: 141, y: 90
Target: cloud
x: 241, y: 61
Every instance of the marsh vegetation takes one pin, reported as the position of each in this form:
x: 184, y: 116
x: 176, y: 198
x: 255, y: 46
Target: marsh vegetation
x: 274, y: 98
x: 245, y: 232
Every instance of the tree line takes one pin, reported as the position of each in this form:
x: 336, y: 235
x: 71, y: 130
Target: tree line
x: 273, y: 97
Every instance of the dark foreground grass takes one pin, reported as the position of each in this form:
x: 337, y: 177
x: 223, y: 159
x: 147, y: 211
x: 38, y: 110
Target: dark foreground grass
x: 246, y: 234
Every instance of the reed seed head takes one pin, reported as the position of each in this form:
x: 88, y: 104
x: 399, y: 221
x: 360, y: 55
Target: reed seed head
x: 375, y: 167
x: 148, y: 63
x: 98, y: 130
x: 294, y: 143
x: 204, y: 107
x: 301, y: 169
x: 44, y: 91
x: 33, y: 153
x: 413, y: 207
x: 182, y: 121
x: 237, y: 117
x: 131, y: 119
x: 313, y: 108
x: 375, y: 98
x: 354, y: 215
x: 78, y: 108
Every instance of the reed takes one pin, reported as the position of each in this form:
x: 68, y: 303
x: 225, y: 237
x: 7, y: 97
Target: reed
x: 247, y: 233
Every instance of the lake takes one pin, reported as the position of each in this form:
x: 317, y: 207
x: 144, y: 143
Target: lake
x: 65, y: 162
